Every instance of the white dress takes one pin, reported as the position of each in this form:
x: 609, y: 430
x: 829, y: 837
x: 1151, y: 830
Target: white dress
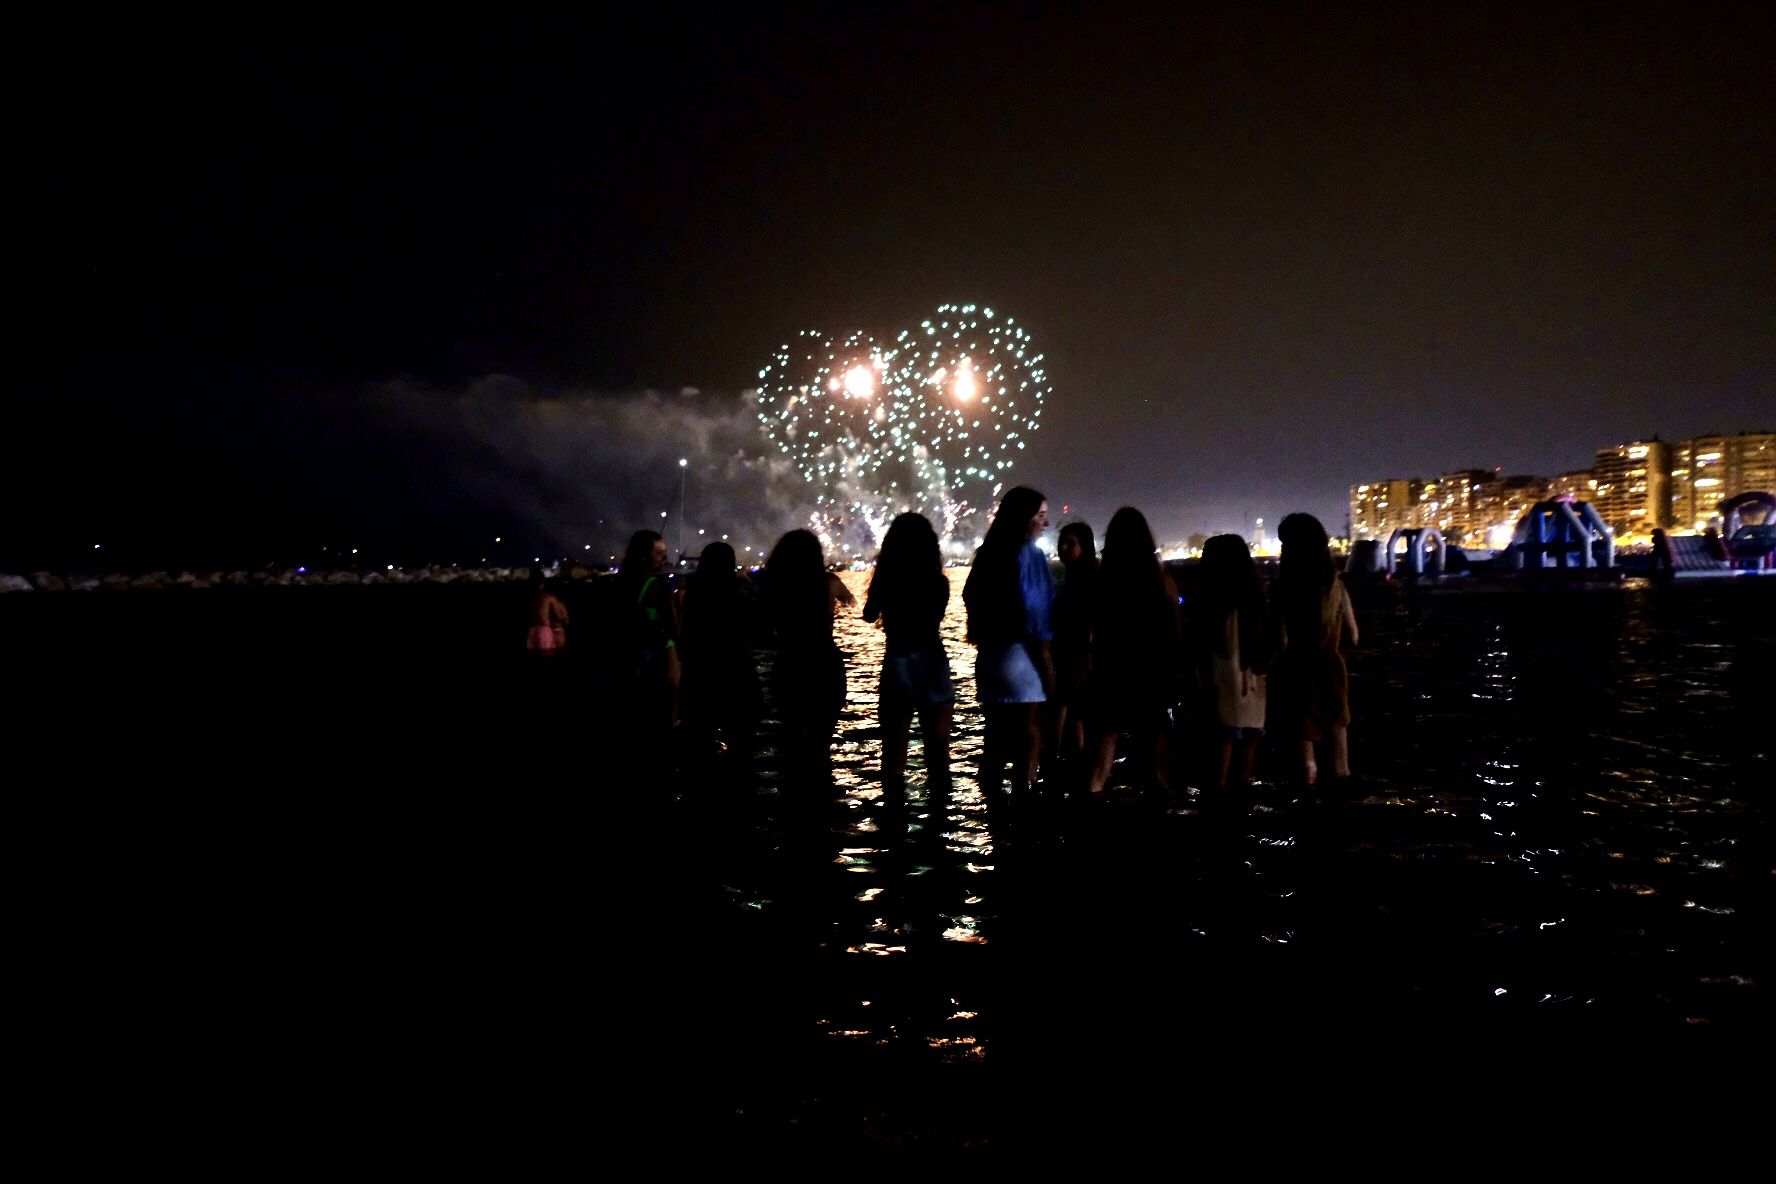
x: 1239, y: 694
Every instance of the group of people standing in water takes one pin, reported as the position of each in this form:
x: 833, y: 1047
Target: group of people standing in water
x: 1067, y: 670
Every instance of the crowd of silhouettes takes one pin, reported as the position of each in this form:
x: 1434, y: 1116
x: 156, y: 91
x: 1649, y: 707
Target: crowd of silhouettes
x: 1108, y: 659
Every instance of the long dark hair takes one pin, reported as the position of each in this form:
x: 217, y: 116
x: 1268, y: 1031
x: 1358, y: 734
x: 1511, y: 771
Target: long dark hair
x: 795, y: 587
x: 639, y: 555
x: 715, y: 574
x: 1132, y: 588
x: 1306, y: 566
x: 910, y: 564
x: 992, y: 593
x: 714, y: 609
x: 1009, y: 529
x: 1231, y: 583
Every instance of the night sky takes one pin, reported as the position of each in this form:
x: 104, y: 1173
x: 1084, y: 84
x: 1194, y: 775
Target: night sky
x: 317, y: 275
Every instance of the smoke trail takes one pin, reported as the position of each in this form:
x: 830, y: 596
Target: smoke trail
x: 578, y: 471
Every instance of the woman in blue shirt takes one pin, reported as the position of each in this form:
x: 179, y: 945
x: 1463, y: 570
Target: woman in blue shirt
x: 1008, y: 594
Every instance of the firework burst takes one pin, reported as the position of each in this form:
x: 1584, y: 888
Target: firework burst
x: 931, y: 420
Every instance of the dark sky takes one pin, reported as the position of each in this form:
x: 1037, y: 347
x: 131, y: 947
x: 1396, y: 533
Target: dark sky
x: 1268, y: 251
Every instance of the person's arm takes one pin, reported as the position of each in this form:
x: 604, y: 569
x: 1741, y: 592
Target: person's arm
x: 1350, y: 614
x: 840, y: 594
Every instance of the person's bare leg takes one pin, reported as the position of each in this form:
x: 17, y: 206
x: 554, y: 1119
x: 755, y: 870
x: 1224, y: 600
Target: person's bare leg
x: 1248, y: 760
x: 897, y: 720
x: 992, y: 767
x: 1310, y: 772
x: 1225, y: 763
x: 1341, y: 757
x: 1057, y: 729
x: 1104, y: 760
x: 934, y: 728
x: 1162, y: 760
x: 1027, y: 749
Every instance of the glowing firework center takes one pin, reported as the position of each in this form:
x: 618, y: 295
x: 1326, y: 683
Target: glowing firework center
x: 931, y: 422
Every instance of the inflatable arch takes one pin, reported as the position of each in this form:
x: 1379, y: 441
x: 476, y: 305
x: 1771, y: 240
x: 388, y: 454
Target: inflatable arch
x: 1562, y: 533
x: 1418, y: 540
x: 1733, y: 509
x: 1366, y: 559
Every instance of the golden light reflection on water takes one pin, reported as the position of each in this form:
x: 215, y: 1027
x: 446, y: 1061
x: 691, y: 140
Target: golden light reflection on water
x: 1563, y: 775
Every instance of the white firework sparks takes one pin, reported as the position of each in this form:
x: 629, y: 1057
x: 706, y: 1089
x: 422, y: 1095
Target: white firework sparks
x: 931, y: 421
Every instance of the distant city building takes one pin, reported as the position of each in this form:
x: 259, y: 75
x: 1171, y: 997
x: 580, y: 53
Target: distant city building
x: 1507, y: 499
x: 1580, y: 484
x: 1707, y: 470
x: 1380, y: 508
x: 1633, y: 487
x: 1453, y: 504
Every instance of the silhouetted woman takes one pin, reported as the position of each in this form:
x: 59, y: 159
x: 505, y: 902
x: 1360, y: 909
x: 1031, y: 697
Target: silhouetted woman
x: 808, y: 677
x: 1009, y: 593
x: 1078, y: 553
x: 1134, y: 657
x: 635, y: 647
x: 909, y: 593
x: 1309, y: 684
x: 1230, y: 624
x: 719, y: 699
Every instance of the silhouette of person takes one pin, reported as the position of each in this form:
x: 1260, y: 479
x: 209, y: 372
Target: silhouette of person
x: 1134, y: 655
x: 1229, y: 627
x: 808, y: 674
x: 1309, y: 683
x: 548, y: 616
x: 908, y: 594
x: 1071, y: 647
x: 719, y: 693
x: 635, y: 658
x: 1009, y: 593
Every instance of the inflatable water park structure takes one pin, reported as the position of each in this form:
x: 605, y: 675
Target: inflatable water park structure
x: 1567, y: 537
x: 1561, y: 534
x: 1739, y: 549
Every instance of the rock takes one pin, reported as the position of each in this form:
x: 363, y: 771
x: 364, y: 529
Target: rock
x: 341, y: 577
x: 11, y: 583
x: 83, y: 583
x: 116, y: 581
x: 48, y: 581
x: 153, y: 579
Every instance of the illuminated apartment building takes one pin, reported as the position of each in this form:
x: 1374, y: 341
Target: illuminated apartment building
x: 1454, y: 503
x: 1379, y: 508
x: 1581, y: 484
x: 1633, y: 493
x: 1504, y: 502
x: 1707, y: 470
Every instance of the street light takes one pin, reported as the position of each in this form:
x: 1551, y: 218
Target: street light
x: 683, y: 466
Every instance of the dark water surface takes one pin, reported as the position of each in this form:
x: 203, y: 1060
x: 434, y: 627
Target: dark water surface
x: 353, y: 833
